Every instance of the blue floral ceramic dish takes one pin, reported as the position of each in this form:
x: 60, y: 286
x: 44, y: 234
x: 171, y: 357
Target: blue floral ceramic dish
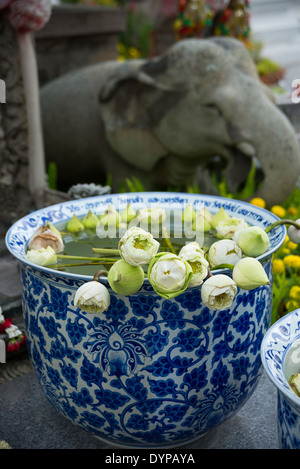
x: 148, y: 372
x: 280, y: 354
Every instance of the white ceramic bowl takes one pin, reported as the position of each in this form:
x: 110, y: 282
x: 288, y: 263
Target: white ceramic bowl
x: 280, y: 354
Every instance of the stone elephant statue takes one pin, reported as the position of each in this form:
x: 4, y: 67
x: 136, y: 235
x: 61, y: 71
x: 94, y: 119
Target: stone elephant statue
x: 165, y: 120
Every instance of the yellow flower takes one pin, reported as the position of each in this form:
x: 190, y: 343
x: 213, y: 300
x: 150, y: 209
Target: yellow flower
x: 286, y: 251
x: 295, y: 293
x: 278, y: 210
x: 292, y: 210
x: 292, y: 261
x: 177, y: 24
x: 292, y: 245
x: 258, y: 201
x: 291, y: 305
x: 134, y: 53
x: 278, y: 266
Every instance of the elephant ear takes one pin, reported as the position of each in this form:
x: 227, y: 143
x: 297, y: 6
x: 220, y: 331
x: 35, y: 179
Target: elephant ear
x: 131, y: 100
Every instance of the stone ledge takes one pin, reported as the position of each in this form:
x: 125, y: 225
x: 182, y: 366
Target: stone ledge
x: 81, y: 20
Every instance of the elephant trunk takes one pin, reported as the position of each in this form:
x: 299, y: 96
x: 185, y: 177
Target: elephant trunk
x: 278, y: 153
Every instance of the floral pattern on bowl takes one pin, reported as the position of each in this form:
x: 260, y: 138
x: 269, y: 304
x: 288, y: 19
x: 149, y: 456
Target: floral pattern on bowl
x: 149, y: 371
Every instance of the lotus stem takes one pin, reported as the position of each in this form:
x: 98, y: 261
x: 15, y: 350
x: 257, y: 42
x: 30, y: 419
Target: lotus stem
x: 167, y: 239
x: 282, y: 222
x: 106, y: 251
x: 99, y: 273
x: 83, y: 258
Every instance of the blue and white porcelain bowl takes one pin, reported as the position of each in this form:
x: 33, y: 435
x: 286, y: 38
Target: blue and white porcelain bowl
x: 149, y: 372
x: 280, y: 354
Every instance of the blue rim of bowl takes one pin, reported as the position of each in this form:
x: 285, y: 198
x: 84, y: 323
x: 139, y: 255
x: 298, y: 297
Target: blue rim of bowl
x: 266, y: 346
x: 41, y: 213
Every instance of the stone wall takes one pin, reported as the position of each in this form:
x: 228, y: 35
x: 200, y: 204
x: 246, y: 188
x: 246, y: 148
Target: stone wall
x: 77, y: 36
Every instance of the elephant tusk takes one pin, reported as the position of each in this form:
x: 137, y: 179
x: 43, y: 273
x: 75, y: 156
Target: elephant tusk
x: 246, y: 148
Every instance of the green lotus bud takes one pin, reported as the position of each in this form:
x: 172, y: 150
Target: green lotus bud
x: 218, y: 291
x: 201, y: 223
x: 128, y: 214
x: 169, y: 275
x: 253, y: 241
x: 219, y: 216
x: 154, y: 215
x: 125, y: 279
x: 92, y: 297
x: 188, y: 214
x: 42, y: 256
x: 108, y: 223
x: 248, y: 274
x: 90, y: 220
x: 226, y: 229
x: 294, y: 382
x: 52, y: 228
x: 74, y: 225
x: 206, y: 214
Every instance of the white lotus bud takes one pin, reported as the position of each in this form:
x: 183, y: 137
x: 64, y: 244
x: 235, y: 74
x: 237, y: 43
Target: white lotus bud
x: 42, y: 256
x: 218, y: 291
x: 227, y: 228
x: 168, y: 274
x: 253, y: 241
x: 192, y: 247
x: 92, y: 297
x: 249, y: 274
x: 45, y: 236
x: 198, y: 263
x: 294, y: 233
x: 225, y: 251
x: 137, y: 246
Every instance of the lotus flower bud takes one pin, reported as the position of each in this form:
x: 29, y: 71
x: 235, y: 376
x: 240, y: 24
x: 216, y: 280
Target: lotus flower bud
x: 92, y: 297
x: 188, y: 214
x: 169, y: 275
x: 221, y: 215
x: 108, y: 223
x: 128, y: 214
x: 225, y: 251
x: 198, y: 264
x: 42, y: 256
x: 125, y: 279
x: 154, y: 215
x: 248, y: 274
x: 218, y: 291
x: 253, y: 241
x: 46, y: 236
x: 90, y: 220
x: 137, y: 246
x: 201, y: 223
x: 192, y: 247
x: 227, y: 228
x: 74, y: 225
x: 294, y: 233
